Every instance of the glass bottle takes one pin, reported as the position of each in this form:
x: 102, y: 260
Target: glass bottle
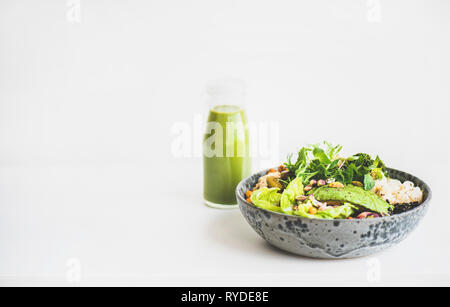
x: 226, y: 156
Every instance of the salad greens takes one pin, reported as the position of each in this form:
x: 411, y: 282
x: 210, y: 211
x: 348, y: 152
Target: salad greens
x: 321, y: 184
x: 340, y: 212
x: 316, y: 162
x: 267, y: 199
x: 293, y: 190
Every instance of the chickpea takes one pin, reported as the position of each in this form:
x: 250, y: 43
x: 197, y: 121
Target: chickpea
x: 312, y: 210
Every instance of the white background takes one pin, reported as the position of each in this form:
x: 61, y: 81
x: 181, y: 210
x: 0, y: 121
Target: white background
x: 90, y: 189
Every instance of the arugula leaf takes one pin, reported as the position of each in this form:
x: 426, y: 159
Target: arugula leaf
x: 320, y: 154
x: 332, y: 151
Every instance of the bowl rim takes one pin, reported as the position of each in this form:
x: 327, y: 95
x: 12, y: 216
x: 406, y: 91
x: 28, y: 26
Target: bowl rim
x: 242, y: 200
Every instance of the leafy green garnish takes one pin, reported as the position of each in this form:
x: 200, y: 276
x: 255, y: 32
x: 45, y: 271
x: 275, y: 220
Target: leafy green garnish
x: 369, y: 183
x: 323, y: 162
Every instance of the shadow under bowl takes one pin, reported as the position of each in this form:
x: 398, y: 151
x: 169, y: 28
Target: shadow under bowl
x: 332, y: 239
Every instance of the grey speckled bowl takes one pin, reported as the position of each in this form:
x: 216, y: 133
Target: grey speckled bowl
x: 332, y: 239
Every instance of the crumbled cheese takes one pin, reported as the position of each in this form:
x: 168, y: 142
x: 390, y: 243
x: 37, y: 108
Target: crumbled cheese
x: 395, y: 192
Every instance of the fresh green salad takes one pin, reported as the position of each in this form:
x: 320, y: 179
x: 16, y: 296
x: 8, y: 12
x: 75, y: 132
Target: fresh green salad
x: 321, y: 184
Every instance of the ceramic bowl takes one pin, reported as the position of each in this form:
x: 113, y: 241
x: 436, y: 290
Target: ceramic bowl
x: 332, y: 239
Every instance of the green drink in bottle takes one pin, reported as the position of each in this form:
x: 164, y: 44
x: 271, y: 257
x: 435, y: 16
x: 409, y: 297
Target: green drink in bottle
x: 226, y: 145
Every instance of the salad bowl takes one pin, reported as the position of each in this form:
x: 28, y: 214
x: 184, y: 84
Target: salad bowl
x: 332, y: 238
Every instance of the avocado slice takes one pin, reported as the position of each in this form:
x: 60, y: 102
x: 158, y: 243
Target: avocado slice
x: 355, y: 195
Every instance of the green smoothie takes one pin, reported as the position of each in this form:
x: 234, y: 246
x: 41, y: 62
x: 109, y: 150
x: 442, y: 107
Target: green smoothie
x: 226, y: 157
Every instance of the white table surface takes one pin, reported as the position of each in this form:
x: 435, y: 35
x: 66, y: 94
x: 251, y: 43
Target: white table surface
x: 123, y: 230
